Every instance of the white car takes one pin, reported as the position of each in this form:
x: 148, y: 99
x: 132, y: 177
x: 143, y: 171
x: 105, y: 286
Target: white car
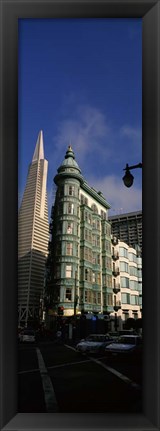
x: 28, y: 335
x: 124, y: 346
x: 94, y: 343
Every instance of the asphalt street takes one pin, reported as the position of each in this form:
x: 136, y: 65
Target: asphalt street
x: 55, y: 378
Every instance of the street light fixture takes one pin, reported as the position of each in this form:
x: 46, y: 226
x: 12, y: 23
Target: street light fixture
x: 75, y: 294
x: 128, y: 177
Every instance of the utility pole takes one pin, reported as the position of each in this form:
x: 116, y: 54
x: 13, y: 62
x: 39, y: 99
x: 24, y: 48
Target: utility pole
x: 75, y: 293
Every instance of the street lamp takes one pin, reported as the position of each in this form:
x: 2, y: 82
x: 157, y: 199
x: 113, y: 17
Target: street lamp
x: 128, y: 177
x: 75, y: 294
x: 115, y: 321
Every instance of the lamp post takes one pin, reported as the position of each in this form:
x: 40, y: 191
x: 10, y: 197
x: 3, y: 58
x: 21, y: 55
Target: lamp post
x: 115, y: 322
x: 128, y: 177
x: 75, y: 294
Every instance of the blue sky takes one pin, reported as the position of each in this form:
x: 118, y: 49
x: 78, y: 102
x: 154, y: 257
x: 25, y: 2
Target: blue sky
x: 80, y: 81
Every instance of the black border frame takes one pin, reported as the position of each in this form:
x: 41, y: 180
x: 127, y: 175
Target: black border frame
x: 11, y: 10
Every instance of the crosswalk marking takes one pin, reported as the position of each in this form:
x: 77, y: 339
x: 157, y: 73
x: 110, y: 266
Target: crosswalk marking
x: 55, y: 366
x: 47, y: 384
x: 69, y: 363
x: 116, y: 373
x: 49, y: 394
x: 29, y: 371
x: 112, y: 370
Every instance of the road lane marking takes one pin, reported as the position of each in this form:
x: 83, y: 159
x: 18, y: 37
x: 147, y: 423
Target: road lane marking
x: 28, y: 371
x: 69, y: 363
x: 49, y: 394
x: 70, y: 347
x: 117, y: 373
x: 112, y: 370
x: 55, y: 366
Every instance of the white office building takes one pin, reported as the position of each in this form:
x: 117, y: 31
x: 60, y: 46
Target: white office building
x: 33, y: 237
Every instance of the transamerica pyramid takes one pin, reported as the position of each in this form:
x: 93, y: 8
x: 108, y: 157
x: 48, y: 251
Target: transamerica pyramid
x: 33, y: 237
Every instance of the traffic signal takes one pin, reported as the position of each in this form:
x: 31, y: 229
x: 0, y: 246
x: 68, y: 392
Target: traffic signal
x: 60, y: 311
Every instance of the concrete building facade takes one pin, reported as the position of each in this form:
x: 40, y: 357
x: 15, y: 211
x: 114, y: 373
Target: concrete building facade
x: 128, y: 228
x: 33, y: 237
x: 127, y: 282
x: 79, y: 264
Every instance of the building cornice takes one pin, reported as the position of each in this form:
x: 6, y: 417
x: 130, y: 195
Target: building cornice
x: 96, y: 195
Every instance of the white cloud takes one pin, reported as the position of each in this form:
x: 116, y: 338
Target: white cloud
x: 99, y: 147
x: 133, y: 133
x: 121, y: 198
x: 86, y: 130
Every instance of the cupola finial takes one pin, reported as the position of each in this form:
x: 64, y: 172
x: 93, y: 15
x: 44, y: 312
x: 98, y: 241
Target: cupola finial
x: 69, y: 152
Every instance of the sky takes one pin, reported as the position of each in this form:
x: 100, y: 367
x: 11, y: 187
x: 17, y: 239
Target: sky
x: 80, y: 82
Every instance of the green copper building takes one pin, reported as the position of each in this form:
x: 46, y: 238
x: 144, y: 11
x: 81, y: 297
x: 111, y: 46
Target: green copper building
x: 79, y: 265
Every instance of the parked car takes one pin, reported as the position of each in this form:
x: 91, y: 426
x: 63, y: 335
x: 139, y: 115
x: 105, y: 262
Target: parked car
x: 125, y: 346
x: 28, y: 335
x: 94, y: 343
x: 114, y: 335
x: 127, y: 332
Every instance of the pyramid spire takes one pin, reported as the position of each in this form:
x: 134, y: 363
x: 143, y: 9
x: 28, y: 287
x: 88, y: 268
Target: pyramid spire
x: 39, y: 149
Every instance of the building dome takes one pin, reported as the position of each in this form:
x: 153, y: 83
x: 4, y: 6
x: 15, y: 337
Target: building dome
x: 69, y: 161
x: 69, y: 166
